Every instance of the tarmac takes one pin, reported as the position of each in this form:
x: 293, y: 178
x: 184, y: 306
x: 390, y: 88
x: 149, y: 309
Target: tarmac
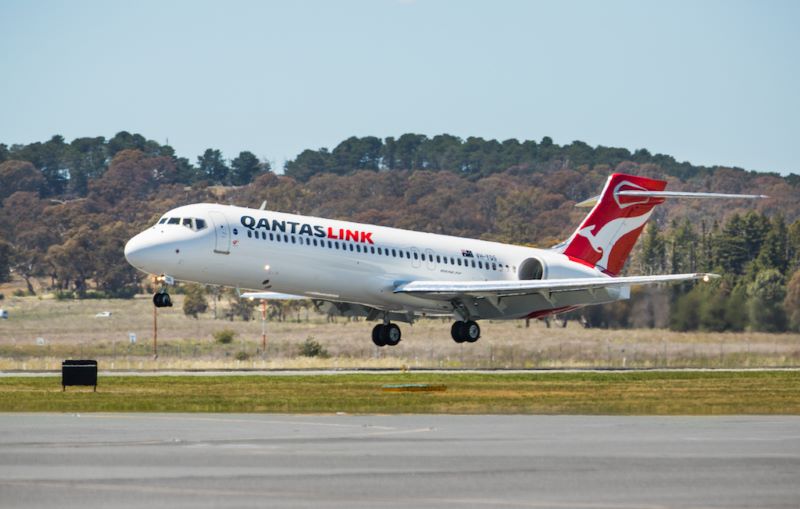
x: 337, y: 461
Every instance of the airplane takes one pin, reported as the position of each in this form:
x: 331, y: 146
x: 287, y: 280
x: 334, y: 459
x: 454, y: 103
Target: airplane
x: 393, y: 275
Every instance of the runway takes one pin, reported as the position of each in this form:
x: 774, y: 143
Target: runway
x: 338, y: 461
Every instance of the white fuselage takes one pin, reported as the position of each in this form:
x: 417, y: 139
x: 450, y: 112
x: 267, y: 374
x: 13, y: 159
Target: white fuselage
x: 345, y: 262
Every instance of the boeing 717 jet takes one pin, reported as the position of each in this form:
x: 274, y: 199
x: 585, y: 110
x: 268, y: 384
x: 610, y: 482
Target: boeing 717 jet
x: 392, y: 275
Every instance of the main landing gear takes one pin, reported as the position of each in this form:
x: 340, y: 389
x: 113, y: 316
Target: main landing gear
x: 387, y: 334
x: 468, y: 331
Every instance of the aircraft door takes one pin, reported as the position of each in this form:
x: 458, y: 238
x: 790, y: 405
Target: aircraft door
x: 415, y: 260
x: 222, y: 234
x: 429, y: 259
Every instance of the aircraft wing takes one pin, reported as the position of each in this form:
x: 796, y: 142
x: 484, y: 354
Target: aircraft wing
x: 542, y: 286
x: 271, y: 296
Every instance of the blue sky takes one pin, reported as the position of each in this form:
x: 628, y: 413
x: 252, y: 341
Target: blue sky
x: 705, y: 81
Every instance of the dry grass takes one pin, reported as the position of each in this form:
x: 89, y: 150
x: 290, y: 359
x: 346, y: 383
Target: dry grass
x: 71, y: 330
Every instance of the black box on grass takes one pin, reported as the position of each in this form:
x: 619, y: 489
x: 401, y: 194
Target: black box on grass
x: 78, y: 372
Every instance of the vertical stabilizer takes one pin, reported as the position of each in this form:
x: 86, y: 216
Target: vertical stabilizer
x: 606, y: 236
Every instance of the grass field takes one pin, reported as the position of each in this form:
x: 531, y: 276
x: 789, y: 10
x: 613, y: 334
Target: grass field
x: 70, y: 329
x: 651, y: 393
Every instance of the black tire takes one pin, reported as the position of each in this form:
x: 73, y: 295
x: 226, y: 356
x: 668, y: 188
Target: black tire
x: 393, y: 334
x: 457, y: 332
x: 472, y: 331
x: 378, y: 335
x: 162, y: 300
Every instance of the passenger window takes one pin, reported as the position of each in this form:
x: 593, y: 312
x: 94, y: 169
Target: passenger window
x: 271, y: 237
x: 249, y: 234
x: 351, y: 247
x: 358, y: 248
x: 394, y: 253
x: 438, y: 259
x: 452, y: 261
x: 174, y: 220
x: 336, y: 244
x: 473, y: 264
x: 459, y: 261
x: 415, y: 256
x: 372, y: 249
x: 286, y: 238
x: 494, y: 266
x: 379, y: 251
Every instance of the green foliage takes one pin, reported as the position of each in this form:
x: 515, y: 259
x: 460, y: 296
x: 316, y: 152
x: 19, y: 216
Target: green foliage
x: 654, y: 253
x: 211, y: 166
x: 765, y: 302
x: 242, y: 356
x: 194, y: 301
x: 312, y: 348
x: 224, y: 336
x: 245, y: 168
x: 792, y: 301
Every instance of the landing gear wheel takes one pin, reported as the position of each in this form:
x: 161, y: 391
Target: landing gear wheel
x: 386, y: 334
x: 472, y: 331
x: 392, y: 333
x: 456, y: 332
x: 378, y: 334
x: 162, y: 300
x: 465, y: 331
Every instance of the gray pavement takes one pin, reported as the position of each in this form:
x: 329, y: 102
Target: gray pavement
x: 336, y: 461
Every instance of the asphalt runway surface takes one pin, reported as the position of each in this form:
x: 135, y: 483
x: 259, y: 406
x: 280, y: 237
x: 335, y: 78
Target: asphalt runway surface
x: 336, y: 461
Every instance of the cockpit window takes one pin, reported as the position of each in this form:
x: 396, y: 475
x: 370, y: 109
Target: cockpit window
x: 193, y: 223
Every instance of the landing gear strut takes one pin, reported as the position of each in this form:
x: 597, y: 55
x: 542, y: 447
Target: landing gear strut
x: 468, y: 331
x: 386, y: 334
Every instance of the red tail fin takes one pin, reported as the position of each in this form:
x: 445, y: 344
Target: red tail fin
x: 607, y: 235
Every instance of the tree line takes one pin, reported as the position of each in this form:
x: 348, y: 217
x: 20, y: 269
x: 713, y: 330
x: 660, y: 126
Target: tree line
x: 66, y: 209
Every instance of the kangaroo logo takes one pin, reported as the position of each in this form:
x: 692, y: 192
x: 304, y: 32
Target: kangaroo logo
x: 604, y: 240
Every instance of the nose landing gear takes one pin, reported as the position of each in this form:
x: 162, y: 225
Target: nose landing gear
x: 161, y: 299
x: 386, y: 334
x: 468, y: 331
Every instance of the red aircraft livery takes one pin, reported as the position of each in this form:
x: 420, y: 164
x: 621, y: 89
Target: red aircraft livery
x: 298, y: 228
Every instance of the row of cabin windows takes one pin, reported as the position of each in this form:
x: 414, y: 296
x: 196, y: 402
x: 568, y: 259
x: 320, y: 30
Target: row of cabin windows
x: 381, y: 251
x: 193, y: 223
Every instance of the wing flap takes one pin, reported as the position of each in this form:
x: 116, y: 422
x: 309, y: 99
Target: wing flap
x: 540, y: 285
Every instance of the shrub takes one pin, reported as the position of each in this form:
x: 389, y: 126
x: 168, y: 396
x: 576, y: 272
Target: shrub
x: 224, y: 336
x: 195, y: 301
x: 312, y: 348
x: 19, y: 293
x: 242, y: 356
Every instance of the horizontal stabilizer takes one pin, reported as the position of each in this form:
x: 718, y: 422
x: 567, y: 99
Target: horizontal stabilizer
x: 525, y: 287
x: 591, y: 202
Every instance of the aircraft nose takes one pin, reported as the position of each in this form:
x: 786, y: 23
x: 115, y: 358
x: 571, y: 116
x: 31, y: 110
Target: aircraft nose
x: 139, y: 251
